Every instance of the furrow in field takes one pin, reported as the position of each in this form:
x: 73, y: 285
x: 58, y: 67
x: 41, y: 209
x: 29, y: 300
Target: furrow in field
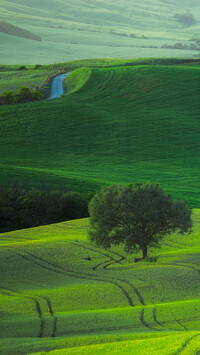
x: 100, y: 252
x: 155, y: 318
x: 100, y: 264
x: 52, y: 315
x: 179, y: 351
x: 178, y: 322
x: 37, y: 304
x: 52, y: 267
x: 98, y: 330
x: 143, y: 321
x: 140, y: 297
x: 95, y: 248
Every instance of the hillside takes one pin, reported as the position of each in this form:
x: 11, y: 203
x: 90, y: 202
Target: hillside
x: 58, y: 291
x: 118, y: 125
x: 17, y: 31
x: 97, y: 29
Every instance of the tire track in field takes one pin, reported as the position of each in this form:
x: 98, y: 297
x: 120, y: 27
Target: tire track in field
x: 106, y: 264
x: 52, y: 315
x: 100, y: 264
x: 178, y: 322
x: 82, y: 275
x: 101, y: 329
x: 81, y: 245
x: 179, y: 351
x: 37, y: 304
x: 156, y: 320
x: 105, y: 267
x: 85, y: 276
x: 135, y: 289
x: 60, y: 270
x: 143, y: 321
x: 95, y: 248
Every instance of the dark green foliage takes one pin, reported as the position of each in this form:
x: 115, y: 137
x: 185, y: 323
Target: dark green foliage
x: 9, y: 97
x: 22, y: 67
x: 37, y: 66
x: 37, y: 95
x: 25, y: 95
x: 23, y: 208
x: 185, y: 19
x: 139, y: 217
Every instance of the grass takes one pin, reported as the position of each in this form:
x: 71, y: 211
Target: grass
x: 17, y: 31
x: 113, y: 129
x: 58, y: 291
x: 80, y: 30
x: 14, y: 80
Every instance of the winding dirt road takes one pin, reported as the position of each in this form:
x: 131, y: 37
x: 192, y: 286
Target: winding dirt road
x: 57, y: 86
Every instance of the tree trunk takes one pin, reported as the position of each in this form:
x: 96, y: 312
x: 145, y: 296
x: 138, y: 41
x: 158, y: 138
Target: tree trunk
x: 144, y: 251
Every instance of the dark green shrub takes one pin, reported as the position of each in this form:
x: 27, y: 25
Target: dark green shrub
x: 37, y: 95
x: 37, y: 66
x: 9, y: 97
x: 22, y: 67
x: 25, y: 94
x: 186, y: 19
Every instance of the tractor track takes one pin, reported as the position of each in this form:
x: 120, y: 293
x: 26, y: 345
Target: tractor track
x: 178, y: 322
x: 155, y: 319
x: 98, y: 249
x: 37, y: 305
x: 81, y: 245
x: 60, y: 270
x: 48, y: 301
x: 143, y: 321
x: 179, y: 351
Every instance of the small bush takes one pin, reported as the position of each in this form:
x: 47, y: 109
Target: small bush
x: 25, y: 94
x: 37, y: 95
x: 185, y: 19
x: 37, y: 66
x: 22, y: 67
x: 9, y: 97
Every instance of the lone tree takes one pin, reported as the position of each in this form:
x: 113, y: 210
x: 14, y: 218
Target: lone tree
x: 136, y: 216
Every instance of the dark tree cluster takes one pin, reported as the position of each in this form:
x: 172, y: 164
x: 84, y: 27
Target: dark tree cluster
x: 23, y: 208
x: 24, y: 95
x: 186, y: 19
x: 179, y: 45
x: 137, y: 216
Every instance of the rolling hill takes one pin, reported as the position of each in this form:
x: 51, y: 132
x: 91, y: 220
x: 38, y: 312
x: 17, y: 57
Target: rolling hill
x: 96, y: 29
x: 118, y: 125
x: 58, y: 291
x: 17, y: 31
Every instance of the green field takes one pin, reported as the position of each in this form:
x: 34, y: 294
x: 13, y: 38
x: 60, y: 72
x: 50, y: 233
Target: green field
x: 115, y: 125
x: 58, y: 291
x: 94, y: 29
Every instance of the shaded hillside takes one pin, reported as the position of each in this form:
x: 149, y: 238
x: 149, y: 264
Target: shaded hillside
x: 124, y: 124
x: 17, y: 31
x: 91, y: 29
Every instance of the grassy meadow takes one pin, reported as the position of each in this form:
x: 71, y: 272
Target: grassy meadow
x: 116, y: 124
x: 60, y: 294
x: 96, y: 29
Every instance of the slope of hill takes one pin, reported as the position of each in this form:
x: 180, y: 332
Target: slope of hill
x: 58, y: 291
x: 17, y: 31
x: 90, y: 29
x: 125, y: 124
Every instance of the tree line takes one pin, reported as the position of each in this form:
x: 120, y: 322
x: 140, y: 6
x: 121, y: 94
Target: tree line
x: 24, y: 95
x: 21, y: 207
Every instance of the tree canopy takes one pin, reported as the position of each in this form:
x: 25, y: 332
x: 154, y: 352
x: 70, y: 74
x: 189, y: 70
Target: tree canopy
x: 137, y: 216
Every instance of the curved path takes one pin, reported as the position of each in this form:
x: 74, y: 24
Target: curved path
x: 57, y: 86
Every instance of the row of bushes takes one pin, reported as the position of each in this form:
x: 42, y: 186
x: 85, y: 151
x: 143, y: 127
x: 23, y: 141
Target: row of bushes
x: 24, y: 95
x: 179, y: 45
x: 23, y: 208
